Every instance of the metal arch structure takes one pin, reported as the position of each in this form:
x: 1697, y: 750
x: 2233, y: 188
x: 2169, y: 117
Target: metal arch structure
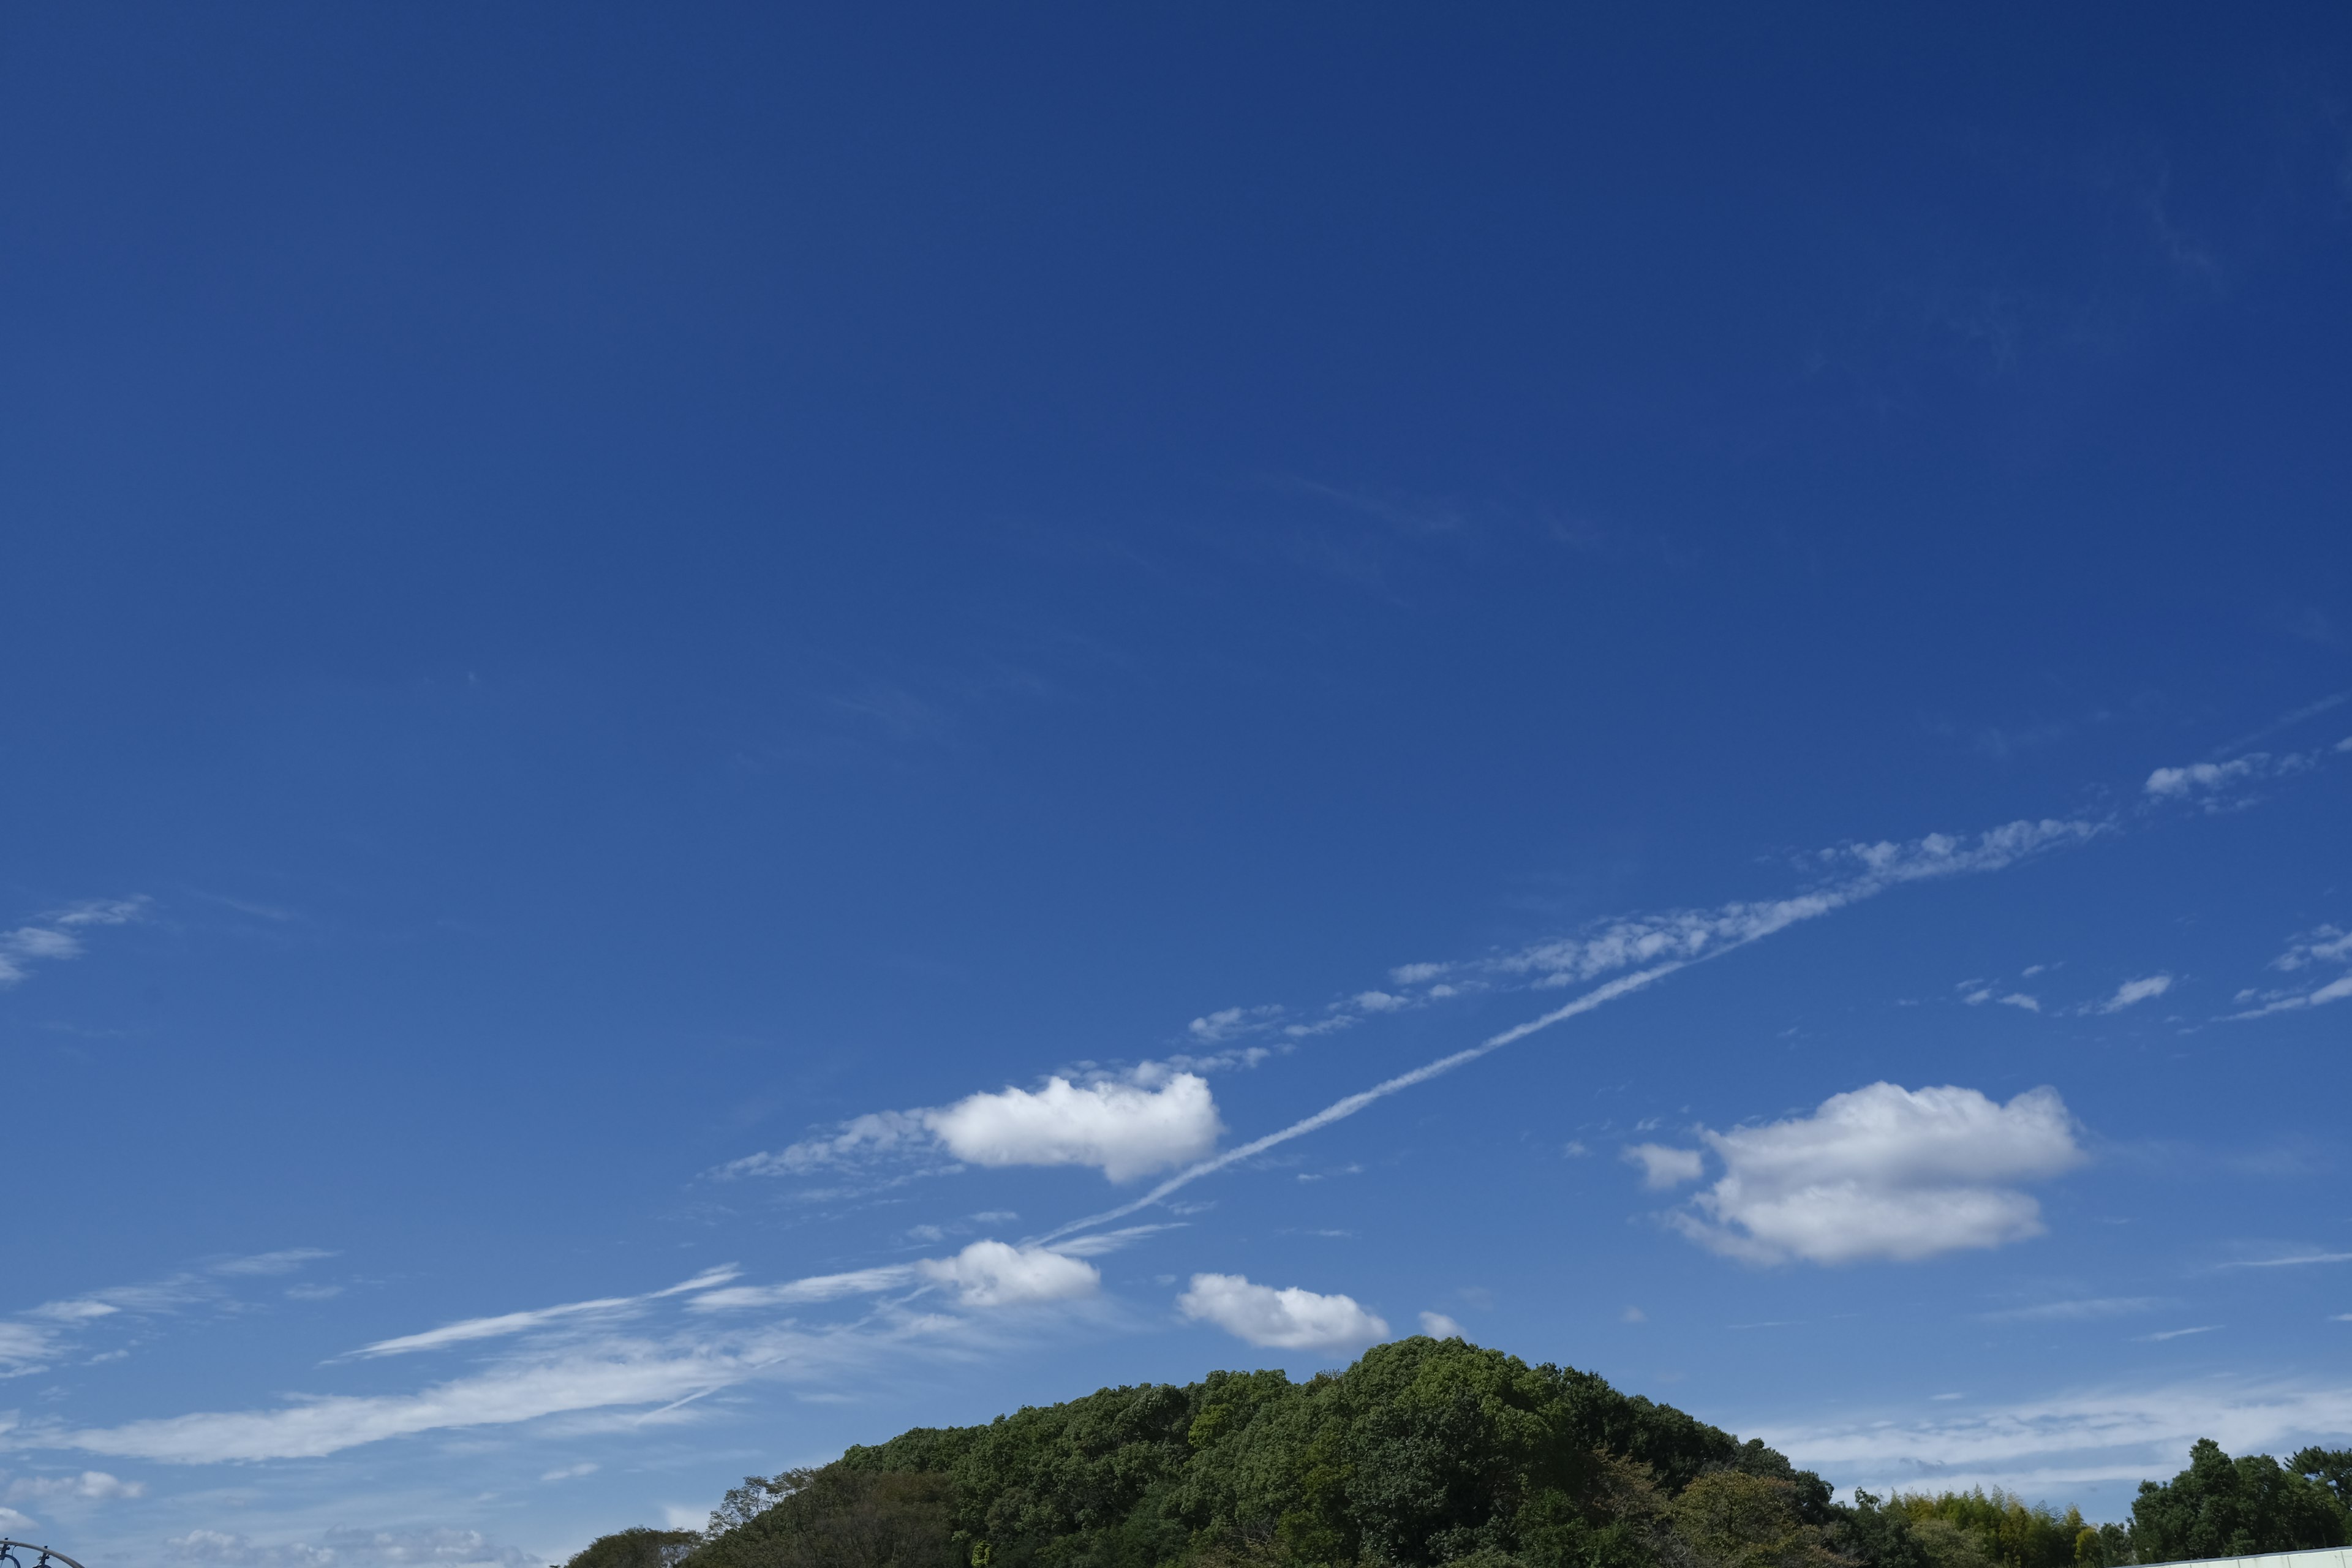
x: 49, y: 1555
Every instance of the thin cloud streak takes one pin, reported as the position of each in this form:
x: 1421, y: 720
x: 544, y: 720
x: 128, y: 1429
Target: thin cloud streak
x: 1696, y: 937
x: 507, y: 1324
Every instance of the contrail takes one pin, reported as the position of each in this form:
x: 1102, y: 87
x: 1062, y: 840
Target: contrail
x: 1731, y: 928
x: 1339, y: 1109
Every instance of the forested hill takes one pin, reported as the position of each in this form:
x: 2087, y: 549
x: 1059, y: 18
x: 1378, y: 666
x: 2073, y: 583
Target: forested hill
x: 1423, y: 1453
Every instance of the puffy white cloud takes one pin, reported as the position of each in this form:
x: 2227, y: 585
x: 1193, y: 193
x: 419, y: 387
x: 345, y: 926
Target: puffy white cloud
x: 1663, y: 1167
x: 1158, y: 1118
x: 1124, y: 1130
x: 996, y: 1274
x: 1291, y: 1320
x: 1438, y: 1326
x: 2133, y: 992
x: 1884, y: 1171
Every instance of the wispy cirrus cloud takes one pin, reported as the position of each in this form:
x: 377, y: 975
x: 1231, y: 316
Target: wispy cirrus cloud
x: 40, y: 1335
x: 2093, y: 1435
x: 56, y: 936
x: 507, y: 1324
x: 2317, y: 949
x: 349, y: 1548
x: 574, y: 1359
x: 2077, y: 1310
x: 2132, y: 992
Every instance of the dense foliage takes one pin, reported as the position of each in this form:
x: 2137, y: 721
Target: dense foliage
x: 2221, y: 1506
x: 1429, y: 1454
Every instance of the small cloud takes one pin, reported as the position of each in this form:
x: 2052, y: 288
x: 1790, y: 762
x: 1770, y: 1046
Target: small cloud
x: 2133, y: 992
x: 2019, y: 999
x: 313, y: 1292
x: 1573, y: 1150
x: 1438, y: 1326
x: 1633, y: 1315
x: 2198, y: 778
x: 567, y: 1472
x: 926, y: 1233
x: 1292, y: 1319
x: 265, y: 1262
x: 1941, y: 1396
x: 2174, y: 1334
x: 1884, y: 1171
x: 1663, y: 1167
x: 995, y: 1274
x: 1416, y: 973
x: 1379, y: 1002
x: 1227, y: 1023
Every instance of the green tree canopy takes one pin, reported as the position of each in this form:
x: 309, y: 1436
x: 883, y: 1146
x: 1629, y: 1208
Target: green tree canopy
x: 2221, y: 1506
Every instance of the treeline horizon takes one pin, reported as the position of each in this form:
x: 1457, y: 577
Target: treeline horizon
x: 1431, y: 1454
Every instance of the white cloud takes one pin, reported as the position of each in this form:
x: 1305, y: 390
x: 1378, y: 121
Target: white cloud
x: 1884, y: 1171
x: 284, y: 1261
x: 507, y: 1324
x: 2321, y: 945
x: 1858, y: 872
x: 90, y: 1486
x: 1416, y: 973
x: 1438, y: 1326
x: 1122, y: 1128
x: 2019, y: 999
x: 54, y: 940
x: 1158, y: 1118
x: 1291, y: 1320
x: 24, y: 1347
x: 2200, y: 777
x: 2132, y: 992
x: 881, y: 1132
x: 1227, y: 1023
x: 2173, y: 1334
x: 800, y: 1292
x: 2041, y: 1446
x: 996, y: 1274
x: 1663, y: 1167
x: 614, y: 1372
x: 1379, y: 1002
x: 567, y: 1472
x: 352, y: 1549
x: 2088, y: 1308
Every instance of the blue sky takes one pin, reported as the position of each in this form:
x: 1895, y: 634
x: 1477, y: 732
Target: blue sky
x: 728, y: 729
